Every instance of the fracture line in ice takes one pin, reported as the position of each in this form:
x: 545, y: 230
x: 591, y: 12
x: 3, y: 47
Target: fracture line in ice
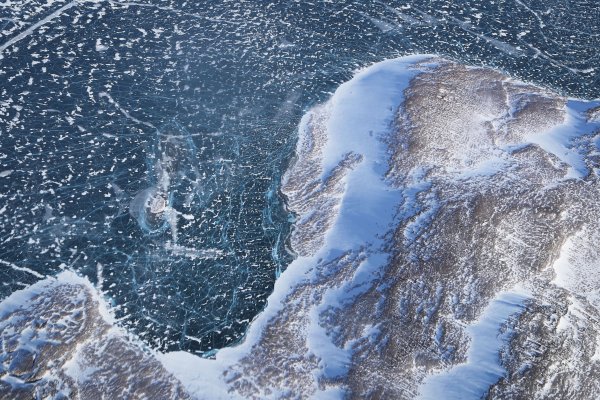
x: 38, y: 24
x: 22, y: 269
x: 123, y: 111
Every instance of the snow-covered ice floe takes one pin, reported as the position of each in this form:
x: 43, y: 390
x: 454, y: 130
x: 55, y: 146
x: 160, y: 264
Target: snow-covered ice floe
x: 425, y: 192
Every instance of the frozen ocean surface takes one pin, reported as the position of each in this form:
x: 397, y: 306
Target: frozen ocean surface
x: 142, y: 143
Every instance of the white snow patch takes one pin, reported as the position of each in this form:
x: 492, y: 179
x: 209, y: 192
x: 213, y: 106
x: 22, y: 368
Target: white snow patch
x: 100, y: 46
x: 577, y: 266
x: 19, y: 268
x: 471, y: 380
x: 21, y: 298
x: 559, y: 141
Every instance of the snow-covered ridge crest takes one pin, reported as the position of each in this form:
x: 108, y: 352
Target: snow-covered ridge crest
x: 341, y: 158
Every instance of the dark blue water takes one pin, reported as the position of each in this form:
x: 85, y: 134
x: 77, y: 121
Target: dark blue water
x: 142, y: 144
